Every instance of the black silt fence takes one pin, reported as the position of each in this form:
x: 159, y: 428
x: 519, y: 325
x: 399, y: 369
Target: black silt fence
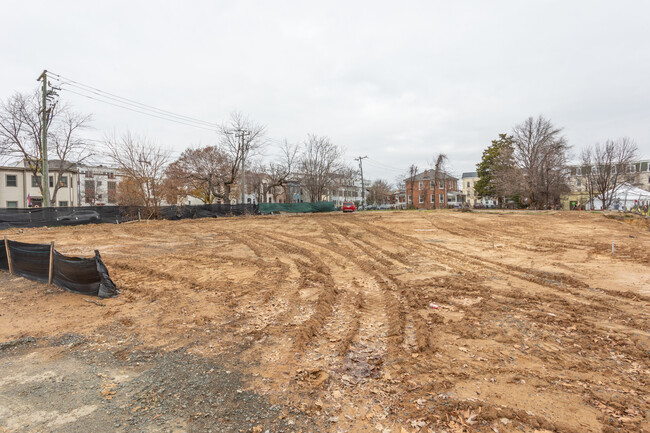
x: 62, y: 216
x: 31, y: 261
x: 41, y: 262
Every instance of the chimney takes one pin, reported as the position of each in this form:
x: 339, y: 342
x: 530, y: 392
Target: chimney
x: 425, y: 173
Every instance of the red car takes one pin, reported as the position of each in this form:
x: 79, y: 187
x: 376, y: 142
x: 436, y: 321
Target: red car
x: 348, y: 206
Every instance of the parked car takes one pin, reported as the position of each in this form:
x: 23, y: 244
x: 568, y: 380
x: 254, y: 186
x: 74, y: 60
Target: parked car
x: 348, y: 206
x: 80, y: 216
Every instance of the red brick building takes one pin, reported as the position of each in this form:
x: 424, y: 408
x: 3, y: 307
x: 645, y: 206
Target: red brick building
x: 425, y: 193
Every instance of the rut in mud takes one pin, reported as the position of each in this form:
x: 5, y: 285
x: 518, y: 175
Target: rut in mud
x: 536, y: 325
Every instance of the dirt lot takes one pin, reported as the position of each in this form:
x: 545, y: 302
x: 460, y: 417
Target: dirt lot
x: 329, y: 323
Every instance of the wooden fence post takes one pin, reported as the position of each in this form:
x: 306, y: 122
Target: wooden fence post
x: 49, y: 280
x: 11, y: 268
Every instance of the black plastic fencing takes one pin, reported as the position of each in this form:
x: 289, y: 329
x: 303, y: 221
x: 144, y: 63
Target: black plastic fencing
x: 59, y: 216
x: 41, y: 262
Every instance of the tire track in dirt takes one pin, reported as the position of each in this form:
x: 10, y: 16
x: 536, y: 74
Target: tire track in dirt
x: 394, y: 307
x: 559, y: 283
x: 362, y: 330
x: 316, y: 273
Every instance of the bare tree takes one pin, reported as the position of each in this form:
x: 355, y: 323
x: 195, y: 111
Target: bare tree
x: 21, y: 127
x: 379, y: 192
x: 440, y: 176
x: 320, y: 162
x: 240, y: 138
x: 143, y: 164
x: 202, y: 173
x: 412, y: 175
x: 605, y: 168
x: 280, y: 171
x: 541, y: 153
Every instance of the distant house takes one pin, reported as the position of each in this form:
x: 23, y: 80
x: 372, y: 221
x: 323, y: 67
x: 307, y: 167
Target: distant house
x: 98, y: 185
x: 424, y: 192
x: 468, y: 182
x: 637, y: 174
x: 19, y: 188
x: 346, y: 190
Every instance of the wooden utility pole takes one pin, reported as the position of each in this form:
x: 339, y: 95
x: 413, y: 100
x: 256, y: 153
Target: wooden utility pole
x: 45, y: 180
x: 363, y: 188
x: 241, y: 134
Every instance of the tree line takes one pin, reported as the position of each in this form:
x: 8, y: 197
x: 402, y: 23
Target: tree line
x: 150, y: 174
x: 530, y: 166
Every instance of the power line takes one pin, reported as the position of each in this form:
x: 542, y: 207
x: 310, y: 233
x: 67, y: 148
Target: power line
x: 114, y: 100
x: 131, y: 102
x: 138, y: 111
x: 384, y: 166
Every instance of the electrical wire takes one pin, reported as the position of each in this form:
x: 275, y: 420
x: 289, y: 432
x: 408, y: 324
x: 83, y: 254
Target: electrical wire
x: 131, y: 102
x: 138, y: 111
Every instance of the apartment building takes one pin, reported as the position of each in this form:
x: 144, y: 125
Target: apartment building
x: 637, y: 174
x: 19, y: 188
x: 98, y: 185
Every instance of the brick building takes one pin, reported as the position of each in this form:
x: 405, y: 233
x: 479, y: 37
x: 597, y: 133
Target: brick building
x: 425, y: 193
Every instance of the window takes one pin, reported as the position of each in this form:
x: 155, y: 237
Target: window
x: 12, y: 180
x: 99, y: 183
x: 467, y: 184
x: 433, y: 198
x: 111, y: 175
x: 12, y: 204
x: 63, y: 204
x: 36, y: 181
x: 631, y: 168
x: 63, y: 183
x: 578, y: 171
x: 432, y: 184
x: 89, y: 185
x: 441, y: 198
x: 594, y: 170
x: 420, y: 185
x: 579, y: 183
x: 421, y: 198
x: 111, y: 186
x: 410, y: 199
x: 441, y: 184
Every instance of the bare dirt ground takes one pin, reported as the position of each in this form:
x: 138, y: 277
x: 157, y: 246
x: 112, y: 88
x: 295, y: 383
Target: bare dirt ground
x: 325, y: 323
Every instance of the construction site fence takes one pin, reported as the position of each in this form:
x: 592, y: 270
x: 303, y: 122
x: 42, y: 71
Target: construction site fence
x: 59, y: 216
x: 41, y: 262
x: 321, y: 206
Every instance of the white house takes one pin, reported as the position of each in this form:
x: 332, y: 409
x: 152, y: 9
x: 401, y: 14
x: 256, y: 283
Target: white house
x: 19, y: 188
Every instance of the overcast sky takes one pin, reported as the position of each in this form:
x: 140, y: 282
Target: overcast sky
x: 397, y: 81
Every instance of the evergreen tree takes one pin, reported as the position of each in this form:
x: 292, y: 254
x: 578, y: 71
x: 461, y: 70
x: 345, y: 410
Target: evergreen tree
x: 492, y: 160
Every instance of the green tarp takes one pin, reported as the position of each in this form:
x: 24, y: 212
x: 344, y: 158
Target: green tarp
x: 321, y: 206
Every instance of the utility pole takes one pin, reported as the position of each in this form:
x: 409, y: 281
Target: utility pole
x: 45, y: 179
x: 363, y: 187
x: 241, y: 134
